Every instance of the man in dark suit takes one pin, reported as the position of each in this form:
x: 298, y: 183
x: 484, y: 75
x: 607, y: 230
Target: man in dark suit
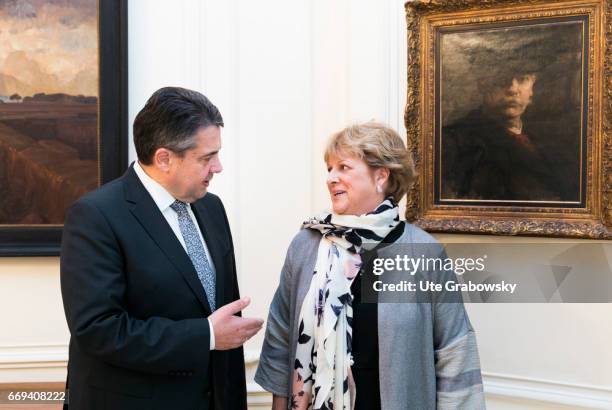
x: 148, y: 274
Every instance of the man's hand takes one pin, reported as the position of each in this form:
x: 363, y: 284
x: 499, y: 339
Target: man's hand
x: 232, y: 331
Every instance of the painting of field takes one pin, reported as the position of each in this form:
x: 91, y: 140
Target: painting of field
x: 49, y: 150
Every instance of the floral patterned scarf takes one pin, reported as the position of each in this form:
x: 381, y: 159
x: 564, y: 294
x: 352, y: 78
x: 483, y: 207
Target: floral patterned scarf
x: 322, y: 378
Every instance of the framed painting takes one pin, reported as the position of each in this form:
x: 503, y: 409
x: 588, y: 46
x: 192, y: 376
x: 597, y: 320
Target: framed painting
x: 508, y: 116
x: 63, y: 113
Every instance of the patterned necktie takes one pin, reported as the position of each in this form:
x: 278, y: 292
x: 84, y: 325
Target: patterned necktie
x: 195, y: 250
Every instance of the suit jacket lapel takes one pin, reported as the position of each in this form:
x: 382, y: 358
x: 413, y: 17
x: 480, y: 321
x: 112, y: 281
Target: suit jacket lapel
x: 214, y: 238
x: 152, y: 220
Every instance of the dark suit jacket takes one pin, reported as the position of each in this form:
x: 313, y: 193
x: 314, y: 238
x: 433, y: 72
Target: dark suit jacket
x: 136, y: 309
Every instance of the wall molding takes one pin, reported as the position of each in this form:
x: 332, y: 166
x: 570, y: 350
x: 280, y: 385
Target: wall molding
x: 33, y: 356
x: 33, y: 363
x: 497, y: 385
x: 258, y: 397
x: 22, y: 360
x: 548, y: 391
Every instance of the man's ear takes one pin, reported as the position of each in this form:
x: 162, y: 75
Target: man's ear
x: 533, y: 77
x: 162, y: 159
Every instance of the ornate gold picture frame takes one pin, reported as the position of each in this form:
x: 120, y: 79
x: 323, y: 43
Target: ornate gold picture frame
x: 509, y: 115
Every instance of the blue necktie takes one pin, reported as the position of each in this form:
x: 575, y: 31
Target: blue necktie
x: 195, y: 250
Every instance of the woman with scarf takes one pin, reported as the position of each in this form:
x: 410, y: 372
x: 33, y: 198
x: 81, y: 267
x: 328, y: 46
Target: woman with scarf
x: 327, y: 348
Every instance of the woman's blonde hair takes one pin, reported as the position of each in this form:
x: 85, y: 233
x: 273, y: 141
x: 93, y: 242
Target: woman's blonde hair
x: 380, y: 147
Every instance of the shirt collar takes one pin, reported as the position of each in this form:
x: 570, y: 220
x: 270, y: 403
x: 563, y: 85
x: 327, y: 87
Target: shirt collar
x: 162, y: 198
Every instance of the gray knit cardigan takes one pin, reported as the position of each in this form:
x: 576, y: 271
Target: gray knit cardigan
x: 428, y: 357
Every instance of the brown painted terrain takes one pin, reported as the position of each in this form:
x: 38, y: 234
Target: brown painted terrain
x: 48, y: 158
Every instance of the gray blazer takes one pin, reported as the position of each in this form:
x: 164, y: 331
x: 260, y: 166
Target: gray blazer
x: 428, y: 358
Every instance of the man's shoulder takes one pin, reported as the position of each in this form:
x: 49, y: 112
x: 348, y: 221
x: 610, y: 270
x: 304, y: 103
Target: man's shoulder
x: 474, y: 121
x: 465, y: 120
x: 103, y: 203
x: 211, y: 202
x: 210, y: 199
x: 105, y: 194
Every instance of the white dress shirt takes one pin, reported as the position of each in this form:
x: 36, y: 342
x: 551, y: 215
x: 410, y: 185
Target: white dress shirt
x: 163, y: 199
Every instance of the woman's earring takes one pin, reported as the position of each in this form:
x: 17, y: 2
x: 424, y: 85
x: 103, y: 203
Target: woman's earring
x: 378, y: 189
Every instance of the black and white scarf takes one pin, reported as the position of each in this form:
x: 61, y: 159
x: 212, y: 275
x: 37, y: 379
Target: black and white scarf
x: 322, y: 378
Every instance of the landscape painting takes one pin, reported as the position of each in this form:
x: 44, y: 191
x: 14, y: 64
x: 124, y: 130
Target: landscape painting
x: 49, y: 144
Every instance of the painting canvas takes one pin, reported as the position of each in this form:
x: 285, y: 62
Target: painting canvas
x: 512, y: 117
x: 49, y: 150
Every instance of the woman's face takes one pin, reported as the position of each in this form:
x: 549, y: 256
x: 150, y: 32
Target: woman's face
x: 352, y: 185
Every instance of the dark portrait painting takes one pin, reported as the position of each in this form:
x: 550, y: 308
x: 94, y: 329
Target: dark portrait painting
x: 63, y: 113
x: 510, y: 104
x: 48, y: 108
x: 507, y: 117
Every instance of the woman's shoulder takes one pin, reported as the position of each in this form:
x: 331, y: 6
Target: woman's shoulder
x: 414, y: 234
x: 418, y: 242
x: 304, y: 238
x: 304, y: 245
x: 306, y: 241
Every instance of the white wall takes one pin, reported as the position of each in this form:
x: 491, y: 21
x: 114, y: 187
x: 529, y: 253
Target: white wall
x: 33, y: 333
x: 285, y: 75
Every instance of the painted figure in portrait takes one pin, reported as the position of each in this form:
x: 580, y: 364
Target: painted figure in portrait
x: 48, y: 108
x: 511, y: 114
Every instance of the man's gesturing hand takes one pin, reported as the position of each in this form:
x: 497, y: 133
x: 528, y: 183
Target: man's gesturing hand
x: 232, y: 331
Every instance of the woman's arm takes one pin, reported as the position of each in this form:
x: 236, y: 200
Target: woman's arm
x: 273, y: 372
x: 458, y: 377
x: 279, y: 403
